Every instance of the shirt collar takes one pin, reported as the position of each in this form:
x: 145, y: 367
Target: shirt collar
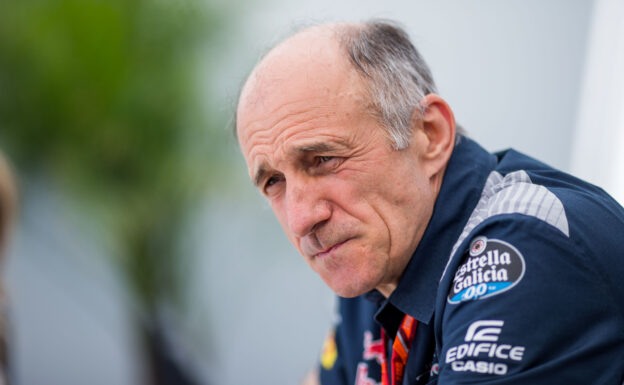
x: 463, y: 181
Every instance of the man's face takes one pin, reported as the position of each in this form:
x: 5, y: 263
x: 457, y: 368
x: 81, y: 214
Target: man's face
x: 351, y: 205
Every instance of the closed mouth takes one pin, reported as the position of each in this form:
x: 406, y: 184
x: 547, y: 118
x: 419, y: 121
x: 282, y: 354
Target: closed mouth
x: 331, y: 248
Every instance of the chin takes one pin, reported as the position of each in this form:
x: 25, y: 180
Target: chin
x: 347, y: 289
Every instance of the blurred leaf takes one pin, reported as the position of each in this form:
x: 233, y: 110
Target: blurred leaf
x: 102, y: 96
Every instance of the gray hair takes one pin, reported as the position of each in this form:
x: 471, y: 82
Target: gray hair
x: 397, y: 76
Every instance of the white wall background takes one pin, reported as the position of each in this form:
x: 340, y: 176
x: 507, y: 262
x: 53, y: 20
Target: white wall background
x: 512, y: 70
x: 597, y: 152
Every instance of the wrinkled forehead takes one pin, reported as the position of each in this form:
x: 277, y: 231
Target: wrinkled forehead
x: 277, y: 125
x: 307, y: 75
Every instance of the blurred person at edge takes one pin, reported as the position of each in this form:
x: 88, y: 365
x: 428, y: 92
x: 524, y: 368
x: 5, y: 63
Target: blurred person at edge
x: 454, y: 265
x: 7, y: 214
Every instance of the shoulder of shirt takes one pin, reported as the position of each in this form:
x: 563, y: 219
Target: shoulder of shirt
x: 515, y: 193
x: 543, y: 194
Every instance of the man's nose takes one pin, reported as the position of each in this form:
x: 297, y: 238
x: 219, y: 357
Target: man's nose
x: 306, y: 210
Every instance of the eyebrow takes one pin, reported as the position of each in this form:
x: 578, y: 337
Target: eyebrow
x: 314, y: 147
x: 259, y: 174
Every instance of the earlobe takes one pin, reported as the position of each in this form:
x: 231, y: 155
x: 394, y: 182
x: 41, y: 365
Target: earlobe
x: 438, y: 126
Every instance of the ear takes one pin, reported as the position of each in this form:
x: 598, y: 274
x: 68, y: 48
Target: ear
x: 438, y: 134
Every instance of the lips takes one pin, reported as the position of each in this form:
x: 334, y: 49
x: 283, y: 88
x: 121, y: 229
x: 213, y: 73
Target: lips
x: 312, y: 247
x: 330, y: 249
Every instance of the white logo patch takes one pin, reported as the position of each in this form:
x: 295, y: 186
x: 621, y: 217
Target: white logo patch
x: 490, y: 267
x: 483, y: 331
x: 482, y: 350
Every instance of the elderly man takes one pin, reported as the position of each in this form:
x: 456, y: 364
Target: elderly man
x: 488, y: 268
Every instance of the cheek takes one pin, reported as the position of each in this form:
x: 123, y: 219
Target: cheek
x: 352, y: 207
x: 365, y: 196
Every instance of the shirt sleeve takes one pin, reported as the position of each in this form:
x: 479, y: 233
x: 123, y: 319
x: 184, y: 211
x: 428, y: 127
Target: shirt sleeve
x: 526, y: 304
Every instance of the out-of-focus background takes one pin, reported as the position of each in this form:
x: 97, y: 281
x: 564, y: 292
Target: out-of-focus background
x: 142, y: 253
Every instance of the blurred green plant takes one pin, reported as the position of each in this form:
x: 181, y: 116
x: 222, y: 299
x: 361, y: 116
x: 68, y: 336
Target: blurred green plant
x: 102, y: 96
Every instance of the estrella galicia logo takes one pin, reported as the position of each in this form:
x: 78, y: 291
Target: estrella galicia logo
x: 491, y: 267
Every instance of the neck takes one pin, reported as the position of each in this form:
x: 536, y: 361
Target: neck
x: 387, y: 288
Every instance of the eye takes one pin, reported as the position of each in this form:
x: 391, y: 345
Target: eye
x: 326, y: 162
x: 323, y: 164
x: 269, y: 185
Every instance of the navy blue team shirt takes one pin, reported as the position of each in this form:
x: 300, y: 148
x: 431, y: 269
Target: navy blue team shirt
x: 517, y: 280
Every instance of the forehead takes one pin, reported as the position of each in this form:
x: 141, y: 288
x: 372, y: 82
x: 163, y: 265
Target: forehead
x: 299, y: 124
x: 304, y: 93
